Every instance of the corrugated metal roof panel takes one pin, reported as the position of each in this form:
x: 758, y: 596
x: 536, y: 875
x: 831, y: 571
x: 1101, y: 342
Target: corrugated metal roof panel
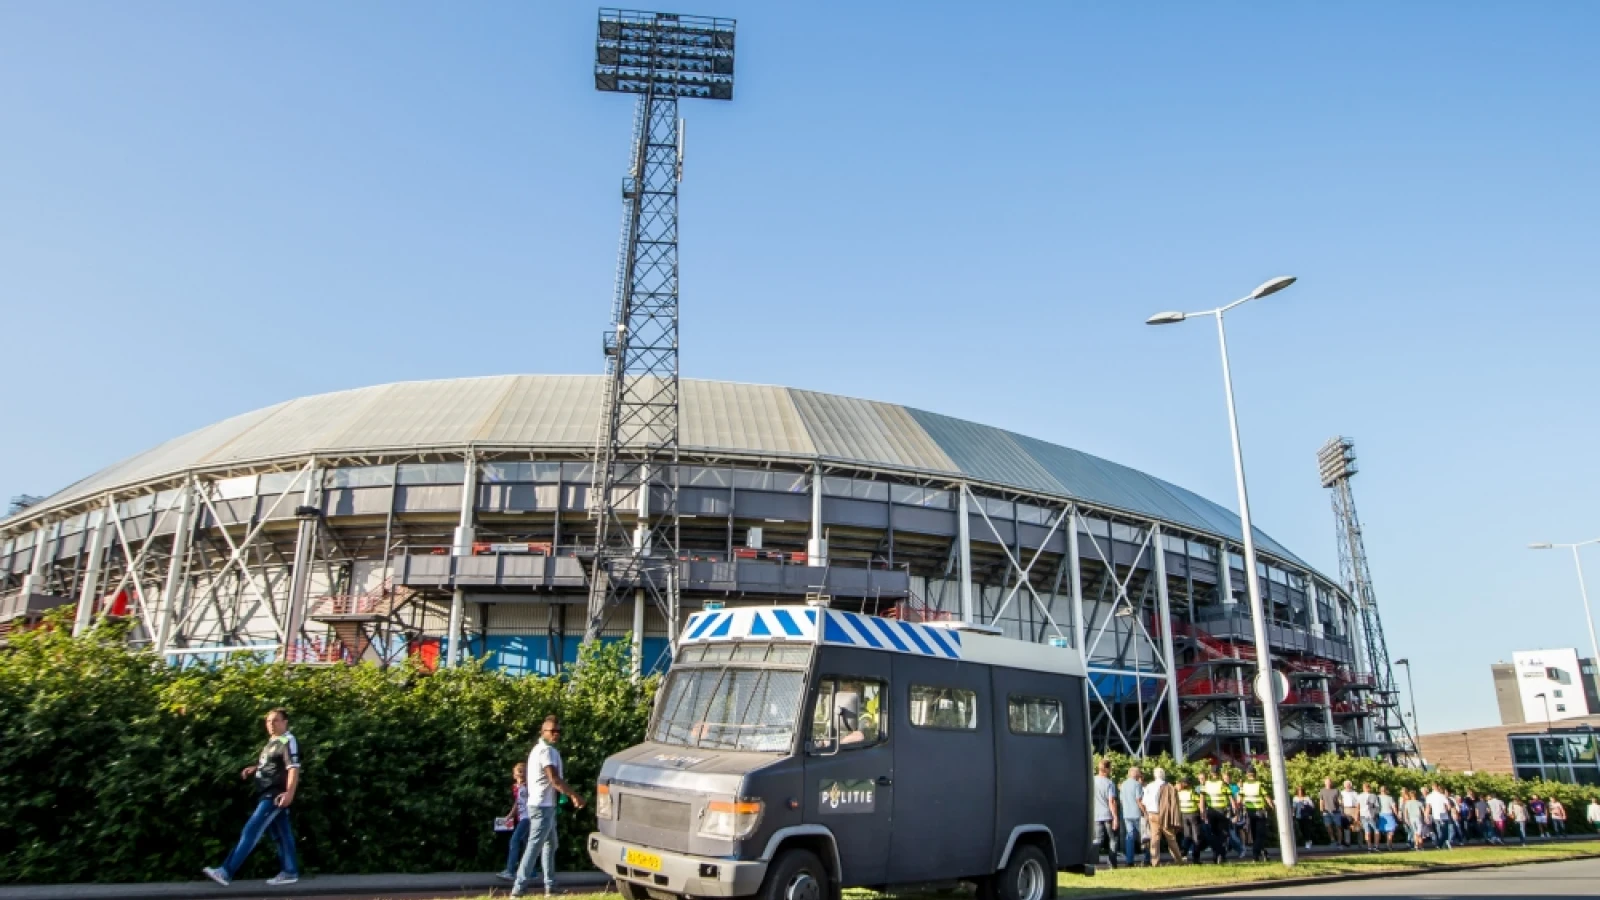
x: 751, y: 417
x: 306, y: 425
x: 862, y: 430
x: 174, y: 455
x: 987, y: 453
x: 555, y: 410
x: 425, y: 413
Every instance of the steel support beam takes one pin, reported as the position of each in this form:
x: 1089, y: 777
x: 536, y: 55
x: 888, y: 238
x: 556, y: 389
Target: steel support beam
x: 89, y: 589
x: 462, y: 547
x: 176, y: 567
x: 1075, y: 584
x: 964, y: 554
x: 817, y: 546
x: 1174, y: 714
x: 300, y: 576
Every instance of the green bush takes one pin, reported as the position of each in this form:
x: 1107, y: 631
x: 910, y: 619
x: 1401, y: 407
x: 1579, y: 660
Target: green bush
x: 117, y: 767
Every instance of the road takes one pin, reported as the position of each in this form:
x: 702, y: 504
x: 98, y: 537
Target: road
x: 1576, y: 878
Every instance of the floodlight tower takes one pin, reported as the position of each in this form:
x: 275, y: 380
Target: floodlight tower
x: 660, y: 57
x: 1336, y: 463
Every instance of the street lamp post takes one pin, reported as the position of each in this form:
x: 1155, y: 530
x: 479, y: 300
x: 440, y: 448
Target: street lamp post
x: 1269, y: 704
x: 1588, y: 618
x: 1546, y: 700
x: 1412, y: 693
x: 1466, y: 741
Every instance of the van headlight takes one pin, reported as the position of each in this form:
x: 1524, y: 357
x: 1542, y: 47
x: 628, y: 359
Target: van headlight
x: 602, y: 801
x: 729, y: 820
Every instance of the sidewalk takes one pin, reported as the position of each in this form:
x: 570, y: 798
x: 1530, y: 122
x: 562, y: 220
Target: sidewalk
x: 432, y: 883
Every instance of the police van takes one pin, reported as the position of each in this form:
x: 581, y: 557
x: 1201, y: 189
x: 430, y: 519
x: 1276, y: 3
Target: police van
x: 797, y: 750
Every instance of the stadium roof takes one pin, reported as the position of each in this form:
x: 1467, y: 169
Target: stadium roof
x: 556, y: 412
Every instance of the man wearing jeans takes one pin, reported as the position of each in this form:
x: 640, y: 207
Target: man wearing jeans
x: 1133, y: 835
x: 544, y: 782
x: 1105, y: 812
x: 277, y: 777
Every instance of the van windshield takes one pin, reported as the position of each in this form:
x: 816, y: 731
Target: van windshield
x: 730, y: 708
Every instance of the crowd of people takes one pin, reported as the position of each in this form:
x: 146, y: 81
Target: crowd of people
x: 1372, y: 817
x: 1232, y: 819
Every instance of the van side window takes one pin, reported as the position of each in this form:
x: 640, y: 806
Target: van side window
x: 944, y: 707
x: 849, y: 715
x: 1034, y: 715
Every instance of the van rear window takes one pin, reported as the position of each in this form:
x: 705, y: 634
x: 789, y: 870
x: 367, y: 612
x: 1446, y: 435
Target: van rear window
x: 943, y: 707
x: 1034, y: 715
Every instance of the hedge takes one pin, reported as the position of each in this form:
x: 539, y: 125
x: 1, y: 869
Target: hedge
x: 116, y: 767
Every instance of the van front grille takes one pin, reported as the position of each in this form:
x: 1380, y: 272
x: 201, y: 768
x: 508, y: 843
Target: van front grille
x: 652, y: 813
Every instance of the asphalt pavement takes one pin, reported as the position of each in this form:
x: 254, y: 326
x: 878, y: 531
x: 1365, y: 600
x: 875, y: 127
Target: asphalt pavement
x: 1574, y: 878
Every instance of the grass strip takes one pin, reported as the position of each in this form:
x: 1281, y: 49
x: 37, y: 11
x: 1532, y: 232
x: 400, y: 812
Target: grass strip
x: 1174, y: 878
x: 1169, y: 877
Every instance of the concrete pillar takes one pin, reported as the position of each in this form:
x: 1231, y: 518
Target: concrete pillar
x: 1174, y: 713
x: 34, y: 581
x: 89, y: 589
x: 300, y: 577
x: 1225, y: 574
x: 1313, y: 592
x: 964, y: 550
x: 817, y: 546
x: 1075, y: 585
x: 638, y: 632
x: 176, y: 569
x: 461, y: 547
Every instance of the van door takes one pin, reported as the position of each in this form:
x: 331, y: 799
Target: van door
x: 944, y: 770
x: 849, y: 770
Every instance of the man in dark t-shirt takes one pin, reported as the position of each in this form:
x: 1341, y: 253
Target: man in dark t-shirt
x: 1332, y: 813
x: 277, y: 776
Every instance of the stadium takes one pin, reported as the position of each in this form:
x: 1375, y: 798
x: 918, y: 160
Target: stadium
x: 428, y: 519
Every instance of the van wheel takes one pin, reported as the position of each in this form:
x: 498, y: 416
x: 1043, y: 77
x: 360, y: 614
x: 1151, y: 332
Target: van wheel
x: 1029, y: 875
x: 630, y: 891
x: 797, y: 875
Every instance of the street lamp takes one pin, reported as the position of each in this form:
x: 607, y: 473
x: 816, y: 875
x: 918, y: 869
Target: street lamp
x: 1412, y: 693
x: 1588, y: 619
x: 1546, y: 711
x: 1269, y: 704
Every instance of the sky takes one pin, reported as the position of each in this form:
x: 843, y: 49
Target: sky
x: 966, y: 208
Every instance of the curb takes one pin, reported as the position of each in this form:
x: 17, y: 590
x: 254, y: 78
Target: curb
x: 1214, y: 889
x: 321, y: 885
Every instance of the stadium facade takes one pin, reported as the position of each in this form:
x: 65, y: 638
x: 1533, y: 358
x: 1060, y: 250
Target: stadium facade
x: 380, y: 523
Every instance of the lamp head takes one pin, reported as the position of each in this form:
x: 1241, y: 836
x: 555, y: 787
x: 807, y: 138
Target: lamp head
x: 1543, y: 546
x: 1402, y: 662
x: 1166, y: 318
x: 1272, y: 287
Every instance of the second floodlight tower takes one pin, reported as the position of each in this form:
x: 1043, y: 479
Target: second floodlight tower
x: 661, y: 58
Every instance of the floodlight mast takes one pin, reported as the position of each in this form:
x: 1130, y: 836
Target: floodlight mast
x: 660, y: 57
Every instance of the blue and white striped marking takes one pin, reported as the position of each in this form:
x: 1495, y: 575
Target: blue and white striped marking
x: 823, y: 626
x: 787, y: 623
x: 853, y: 630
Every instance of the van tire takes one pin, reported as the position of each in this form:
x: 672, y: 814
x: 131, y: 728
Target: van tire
x: 631, y: 891
x: 1029, y: 875
x: 797, y: 875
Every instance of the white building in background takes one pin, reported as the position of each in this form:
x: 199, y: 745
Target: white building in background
x: 1553, y: 685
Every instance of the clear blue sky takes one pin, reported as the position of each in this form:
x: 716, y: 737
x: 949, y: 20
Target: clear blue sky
x: 207, y: 208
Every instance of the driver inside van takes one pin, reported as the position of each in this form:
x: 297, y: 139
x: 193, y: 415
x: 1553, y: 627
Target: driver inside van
x: 849, y: 712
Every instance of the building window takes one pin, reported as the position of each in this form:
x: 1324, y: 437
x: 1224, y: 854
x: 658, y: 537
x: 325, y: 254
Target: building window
x: 944, y: 707
x: 1525, y: 750
x: 1561, y: 707
x: 1558, y: 692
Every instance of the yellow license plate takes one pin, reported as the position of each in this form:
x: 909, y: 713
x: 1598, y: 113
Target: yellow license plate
x: 642, y: 860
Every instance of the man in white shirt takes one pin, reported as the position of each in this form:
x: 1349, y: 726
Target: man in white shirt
x: 1352, y: 811
x: 1439, y: 808
x: 545, y: 781
x: 1152, y: 793
x: 1594, y: 814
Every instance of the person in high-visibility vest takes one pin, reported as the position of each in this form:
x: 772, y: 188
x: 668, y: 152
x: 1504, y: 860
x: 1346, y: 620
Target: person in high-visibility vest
x: 1256, y: 802
x: 1219, y: 802
x: 1194, y: 828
